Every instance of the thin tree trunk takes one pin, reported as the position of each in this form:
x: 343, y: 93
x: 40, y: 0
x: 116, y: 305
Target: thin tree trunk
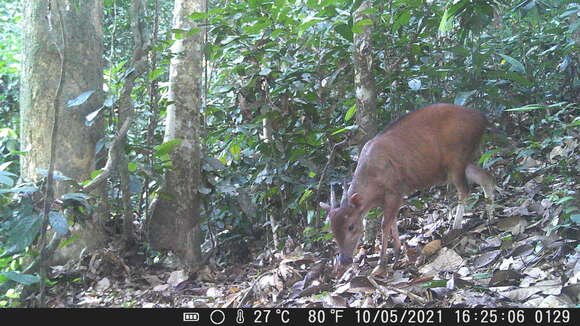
x: 174, y: 220
x: 366, y: 95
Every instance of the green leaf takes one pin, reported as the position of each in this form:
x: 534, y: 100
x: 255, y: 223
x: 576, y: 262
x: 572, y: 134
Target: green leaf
x: 20, y: 190
x: 341, y: 130
x: 6, y: 178
x: 257, y: 27
x: 5, y: 165
x: 58, y: 223
x: 132, y: 166
x: 575, y: 218
x: 358, y: 27
x: 350, y: 113
x: 515, y: 65
x: 57, y: 175
x: 92, y: 117
x: 23, y: 233
x: 179, y: 34
x: 415, y: 84
x: 71, y: 197
x: 235, y: 150
x: 26, y: 279
x: 197, y: 16
x: 166, y: 147
x: 446, y: 22
x: 155, y: 74
x: 345, y: 31
x: 305, y: 196
x: 529, y: 107
x: 82, y: 98
x: 435, y: 284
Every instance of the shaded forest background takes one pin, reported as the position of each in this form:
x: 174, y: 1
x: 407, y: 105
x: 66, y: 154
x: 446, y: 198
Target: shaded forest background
x: 275, y: 89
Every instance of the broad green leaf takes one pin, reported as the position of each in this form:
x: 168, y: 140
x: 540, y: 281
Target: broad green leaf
x: 5, y: 165
x: 446, y: 22
x: 78, y: 196
x: 257, y: 27
x: 58, y: 223
x: 235, y: 150
x: 20, y: 190
x: 305, y: 196
x: 26, y: 279
x: 203, y: 190
x: 57, y: 175
x: 415, y: 84
x: 92, y: 117
x: 7, y: 133
x: 358, y: 27
x: 350, y: 113
x: 155, y: 74
x: 197, y: 16
x: 23, y: 233
x: 515, y: 65
x: 82, y: 98
x: 308, y: 22
x: 6, y: 178
x: 345, y: 31
x: 179, y: 34
x: 132, y: 166
x: 166, y: 147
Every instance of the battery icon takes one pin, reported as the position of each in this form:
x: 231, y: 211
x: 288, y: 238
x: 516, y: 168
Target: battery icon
x: 190, y: 316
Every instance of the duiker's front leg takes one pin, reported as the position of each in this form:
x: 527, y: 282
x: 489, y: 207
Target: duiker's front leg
x: 389, y: 228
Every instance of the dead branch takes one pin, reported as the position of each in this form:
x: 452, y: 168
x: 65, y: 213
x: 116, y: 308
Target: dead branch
x: 323, y: 174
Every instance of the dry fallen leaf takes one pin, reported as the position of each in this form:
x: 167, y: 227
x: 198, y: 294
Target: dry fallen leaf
x: 432, y: 248
x: 103, y: 284
x: 177, y: 277
x: 486, y: 258
x: 446, y: 260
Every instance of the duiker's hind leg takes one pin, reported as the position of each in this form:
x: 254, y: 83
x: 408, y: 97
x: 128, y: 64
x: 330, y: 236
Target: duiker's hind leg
x: 485, y: 180
x: 460, y: 181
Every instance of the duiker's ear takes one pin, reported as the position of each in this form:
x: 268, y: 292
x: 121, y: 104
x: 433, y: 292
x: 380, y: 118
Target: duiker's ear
x: 324, y: 206
x: 356, y: 200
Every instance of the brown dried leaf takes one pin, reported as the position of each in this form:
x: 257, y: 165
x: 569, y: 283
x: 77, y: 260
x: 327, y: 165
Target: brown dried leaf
x: 486, y: 258
x: 447, y: 260
x: 502, y: 278
x: 432, y: 248
x: 514, y: 224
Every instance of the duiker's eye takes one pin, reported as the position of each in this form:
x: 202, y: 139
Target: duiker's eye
x: 351, y: 227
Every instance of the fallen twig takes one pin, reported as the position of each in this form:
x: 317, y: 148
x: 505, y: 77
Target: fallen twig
x: 383, y: 289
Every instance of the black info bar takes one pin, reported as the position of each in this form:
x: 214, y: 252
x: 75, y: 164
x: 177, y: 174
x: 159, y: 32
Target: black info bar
x: 306, y: 316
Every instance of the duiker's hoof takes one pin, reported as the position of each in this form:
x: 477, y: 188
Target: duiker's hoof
x: 380, y: 270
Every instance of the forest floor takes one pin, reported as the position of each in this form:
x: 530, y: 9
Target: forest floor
x: 520, y: 260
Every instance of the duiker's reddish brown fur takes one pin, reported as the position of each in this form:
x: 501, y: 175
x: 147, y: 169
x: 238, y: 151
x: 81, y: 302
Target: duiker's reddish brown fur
x: 428, y: 146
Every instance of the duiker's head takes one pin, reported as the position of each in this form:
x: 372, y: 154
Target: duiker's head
x: 345, y: 223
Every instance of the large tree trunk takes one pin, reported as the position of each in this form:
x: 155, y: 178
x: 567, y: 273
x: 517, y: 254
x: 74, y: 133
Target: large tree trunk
x: 174, y: 220
x: 366, y: 95
x: 75, y: 142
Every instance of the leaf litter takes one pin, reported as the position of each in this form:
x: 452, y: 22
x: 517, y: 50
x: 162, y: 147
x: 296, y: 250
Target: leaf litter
x: 519, y: 260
